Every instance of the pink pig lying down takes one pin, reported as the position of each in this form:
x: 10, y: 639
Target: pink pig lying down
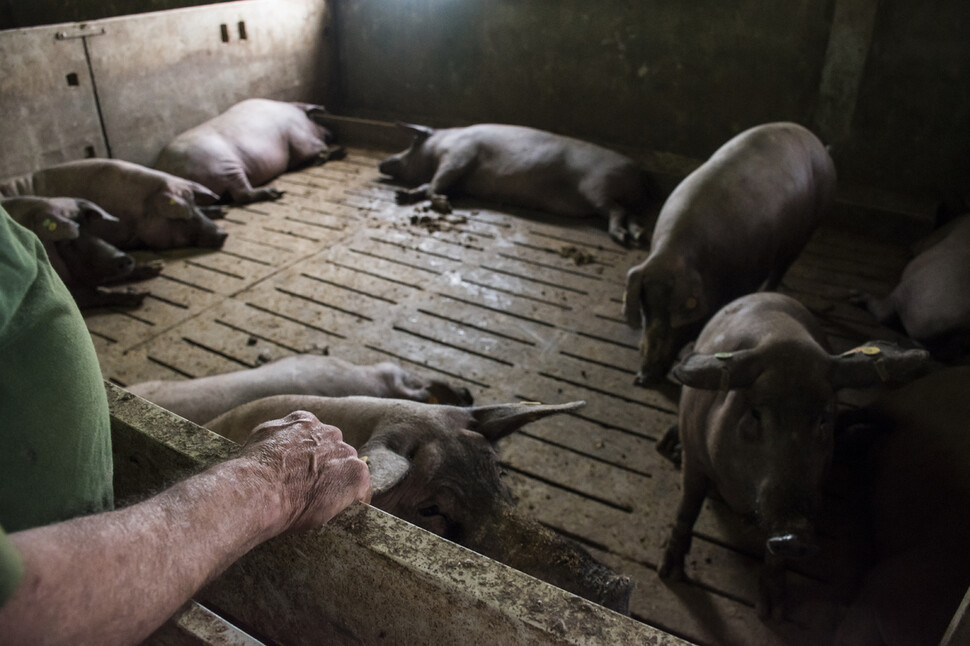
x: 200, y: 400
x: 434, y: 466
x: 248, y: 145
x: 151, y: 209
x: 523, y: 167
x: 83, y: 261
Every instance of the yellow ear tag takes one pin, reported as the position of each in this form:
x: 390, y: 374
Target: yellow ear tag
x: 171, y: 200
x: 869, y: 350
x: 723, y: 356
x: 52, y: 226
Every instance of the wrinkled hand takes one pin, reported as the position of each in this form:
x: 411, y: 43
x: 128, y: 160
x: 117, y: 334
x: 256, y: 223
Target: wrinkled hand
x: 317, y: 474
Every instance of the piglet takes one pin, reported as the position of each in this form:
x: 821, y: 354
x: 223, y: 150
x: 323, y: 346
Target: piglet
x: 200, y: 400
x: 524, y: 167
x: 83, y: 261
x: 755, y: 424
x: 732, y: 226
x: 248, y: 145
x: 154, y: 209
x: 434, y: 466
x: 932, y: 299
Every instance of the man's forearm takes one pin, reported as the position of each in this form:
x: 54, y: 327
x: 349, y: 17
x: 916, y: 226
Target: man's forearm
x: 114, y: 577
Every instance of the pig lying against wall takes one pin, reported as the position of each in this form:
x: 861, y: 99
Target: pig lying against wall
x: 524, y: 167
x: 248, y: 145
x: 434, y: 466
x: 155, y: 210
x: 918, y: 483
x: 733, y: 225
x: 84, y: 261
x: 932, y: 300
x: 755, y: 424
x: 200, y: 400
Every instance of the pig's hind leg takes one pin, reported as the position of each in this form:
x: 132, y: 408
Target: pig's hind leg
x: 242, y: 192
x: 692, y: 499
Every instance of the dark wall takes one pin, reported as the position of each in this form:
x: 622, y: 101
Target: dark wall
x: 886, y: 82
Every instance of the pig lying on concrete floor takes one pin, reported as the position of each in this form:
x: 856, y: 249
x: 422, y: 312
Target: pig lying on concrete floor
x: 200, y: 400
x: 917, y: 481
x: 248, y: 145
x: 83, y: 261
x: 155, y: 210
x: 755, y: 424
x: 932, y: 299
x: 524, y: 167
x: 733, y: 225
x: 434, y: 466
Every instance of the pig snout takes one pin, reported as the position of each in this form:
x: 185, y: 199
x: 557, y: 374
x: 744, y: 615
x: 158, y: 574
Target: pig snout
x: 124, y: 264
x: 792, y: 546
x: 213, y: 239
x: 390, y: 166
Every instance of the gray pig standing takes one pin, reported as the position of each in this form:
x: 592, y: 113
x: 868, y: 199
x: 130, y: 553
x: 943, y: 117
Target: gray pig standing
x: 755, y: 424
x: 524, y: 167
x: 154, y: 209
x: 83, y: 261
x: 434, y: 466
x: 203, y: 399
x: 917, y: 485
x: 248, y: 145
x: 732, y: 226
x: 932, y: 299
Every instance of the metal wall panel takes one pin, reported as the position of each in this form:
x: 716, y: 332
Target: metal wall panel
x: 154, y: 76
x: 45, y: 119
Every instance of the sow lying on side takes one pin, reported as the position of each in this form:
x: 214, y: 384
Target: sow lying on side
x: 434, y: 466
x: 524, y: 167
x: 203, y: 399
x: 755, y: 424
x: 733, y: 225
x: 248, y: 145
x: 154, y: 209
x: 84, y: 261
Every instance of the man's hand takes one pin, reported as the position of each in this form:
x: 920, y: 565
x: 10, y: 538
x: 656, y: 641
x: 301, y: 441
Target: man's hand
x: 316, y: 473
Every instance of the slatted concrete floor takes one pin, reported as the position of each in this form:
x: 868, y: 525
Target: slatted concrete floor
x: 514, y: 306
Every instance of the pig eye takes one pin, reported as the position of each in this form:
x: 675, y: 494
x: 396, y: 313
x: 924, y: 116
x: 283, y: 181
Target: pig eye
x: 430, y: 510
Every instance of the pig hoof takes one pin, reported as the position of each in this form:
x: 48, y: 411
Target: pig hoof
x: 405, y: 197
x: 440, y: 204
x: 671, y: 570
x: 333, y: 153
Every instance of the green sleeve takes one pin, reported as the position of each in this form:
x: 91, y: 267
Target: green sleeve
x: 11, y: 568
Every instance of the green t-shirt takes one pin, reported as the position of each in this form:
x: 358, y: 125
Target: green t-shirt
x: 55, y: 439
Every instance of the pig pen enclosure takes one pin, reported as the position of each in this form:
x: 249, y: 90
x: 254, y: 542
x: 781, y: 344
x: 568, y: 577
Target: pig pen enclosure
x: 513, y: 304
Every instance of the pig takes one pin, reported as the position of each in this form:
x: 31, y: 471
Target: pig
x: 524, y: 167
x: 155, y: 210
x: 732, y: 226
x: 83, y: 261
x: 932, y: 299
x: 755, y: 424
x: 916, y: 487
x: 249, y: 144
x: 200, y: 400
x: 434, y: 466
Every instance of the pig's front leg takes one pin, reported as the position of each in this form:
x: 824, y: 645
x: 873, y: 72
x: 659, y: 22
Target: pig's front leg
x: 695, y: 490
x: 242, y: 192
x: 450, y: 170
x: 772, y: 593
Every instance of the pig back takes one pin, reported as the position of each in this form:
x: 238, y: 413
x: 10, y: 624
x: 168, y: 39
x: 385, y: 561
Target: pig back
x: 751, y: 207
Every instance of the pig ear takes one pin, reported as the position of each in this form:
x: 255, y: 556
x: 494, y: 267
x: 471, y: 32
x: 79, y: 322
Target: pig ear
x: 420, y: 132
x: 720, y: 371
x: 387, y: 468
x: 53, y: 228
x: 314, y: 112
x: 203, y: 195
x: 495, y: 422
x: 91, y: 211
x: 876, y: 362
x: 687, y: 302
